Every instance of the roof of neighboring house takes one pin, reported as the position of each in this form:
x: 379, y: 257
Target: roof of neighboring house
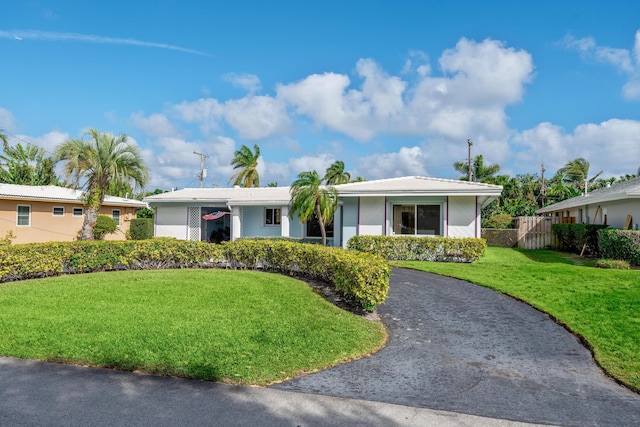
x: 618, y: 191
x: 405, y: 186
x: 52, y: 193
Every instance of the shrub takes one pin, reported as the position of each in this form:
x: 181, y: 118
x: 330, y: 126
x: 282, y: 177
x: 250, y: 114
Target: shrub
x: 613, y: 263
x: 141, y: 229
x: 362, y: 277
x: 576, y: 237
x: 104, y: 225
x: 620, y: 244
x: 499, y: 221
x: 407, y: 248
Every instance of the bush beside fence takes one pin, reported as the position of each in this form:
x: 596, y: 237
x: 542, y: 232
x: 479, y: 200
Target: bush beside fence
x: 620, y: 245
x: 578, y: 238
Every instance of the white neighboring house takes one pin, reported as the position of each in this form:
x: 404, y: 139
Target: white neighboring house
x: 611, y: 205
x: 413, y: 206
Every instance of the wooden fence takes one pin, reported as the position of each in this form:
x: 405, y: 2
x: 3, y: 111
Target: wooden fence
x: 534, y: 232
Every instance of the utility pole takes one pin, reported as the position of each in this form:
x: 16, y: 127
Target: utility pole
x: 543, y: 189
x: 203, y: 171
x: 469, y: 159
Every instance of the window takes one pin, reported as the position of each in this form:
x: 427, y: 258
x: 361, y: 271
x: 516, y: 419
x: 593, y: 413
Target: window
x: 24, y: 215
x: 58, y: 211
x: 115, y: 214
x: 272, y: 216
x: 416, y: 219
x: 313, y: 228
x: 78, y: 211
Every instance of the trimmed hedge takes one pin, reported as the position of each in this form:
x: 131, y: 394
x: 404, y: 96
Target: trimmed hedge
x: 141, y: 228
x: 444, y: 249
x: 620, y: 245
x: 574, y: 237
x: 362, y: 277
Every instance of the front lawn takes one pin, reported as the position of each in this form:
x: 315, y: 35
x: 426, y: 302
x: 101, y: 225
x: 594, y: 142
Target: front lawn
x: 219, y: 325
x: 601, y: 305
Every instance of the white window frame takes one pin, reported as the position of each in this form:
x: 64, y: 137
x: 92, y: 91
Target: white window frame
x: 415, y: 207
x: 116, y: 217
x: 18, y: 216
x: 276, y: 217
x: 81, y: 212
x: 53, y: 211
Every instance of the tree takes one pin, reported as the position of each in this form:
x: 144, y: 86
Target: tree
x: 310, y: 199
x: 246, y: 162
x: 336, y: 175
x: 479, y: 171
x: 576, y: 172
x: 3, y: 136
x: 95, y: 162
x: 26, y: 165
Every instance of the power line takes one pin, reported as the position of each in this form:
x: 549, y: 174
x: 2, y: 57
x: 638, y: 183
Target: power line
x: 203, y: 171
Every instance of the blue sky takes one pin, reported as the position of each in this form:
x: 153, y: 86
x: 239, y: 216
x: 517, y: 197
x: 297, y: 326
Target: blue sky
x: 390, y: 88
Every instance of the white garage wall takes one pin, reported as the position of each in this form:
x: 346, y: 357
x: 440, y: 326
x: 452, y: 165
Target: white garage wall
x: 463, y: 216
x: 372, y: 218
x: 171, y: 221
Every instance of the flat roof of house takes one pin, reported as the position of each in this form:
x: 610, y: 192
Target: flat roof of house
x: 620, y: 190
x: 50, y: 193
x: 404, y: 186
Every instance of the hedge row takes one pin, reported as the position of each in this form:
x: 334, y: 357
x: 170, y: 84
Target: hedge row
x: 365, y: 278
x: 620, y: 245
x: 445, y: 249
x: 578, y: 238
x: 141, y: 228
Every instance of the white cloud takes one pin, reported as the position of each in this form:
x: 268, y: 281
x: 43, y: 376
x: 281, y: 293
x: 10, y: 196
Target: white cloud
x: 89, y: 38
x: 248, y: 82
x: 207, y: 112
x: 627, y: 61
x: 49, y: 141
x: 156, y: 125
x: 406, y: 162
x: 257, y: 117
x: 7, y: 122
x: 612, y: 146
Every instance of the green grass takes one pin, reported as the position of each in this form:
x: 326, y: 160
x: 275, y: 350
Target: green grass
x: 601, y: 305
x: 233, y: 326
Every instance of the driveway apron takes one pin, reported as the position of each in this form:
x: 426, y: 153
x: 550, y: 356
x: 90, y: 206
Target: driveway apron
x: 459, y: 347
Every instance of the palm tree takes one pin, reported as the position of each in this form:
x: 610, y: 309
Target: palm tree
x: 335, y: 174
x: 96, y: 162
x: 310, y: 199
x: 479, y: 171
x: 26, y: 165
x: 576, y: 172
x: 3, y: 137
x: 246, y: 162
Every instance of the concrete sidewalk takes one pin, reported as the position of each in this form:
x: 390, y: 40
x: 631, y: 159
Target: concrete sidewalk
x: 47, y: 394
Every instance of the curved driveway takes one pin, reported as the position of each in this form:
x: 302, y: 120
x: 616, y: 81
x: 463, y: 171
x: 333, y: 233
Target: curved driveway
x: 459, y: 347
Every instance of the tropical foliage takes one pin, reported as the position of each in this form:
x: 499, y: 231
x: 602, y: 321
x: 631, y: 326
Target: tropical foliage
x: 26, y: 165
x: 311, y: 200
x: 245, y: 162
x: 336, y: 175
x: 479, y: 171
x: 94, y: 164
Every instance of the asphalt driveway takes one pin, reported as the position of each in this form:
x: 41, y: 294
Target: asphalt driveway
x: 459, y: 347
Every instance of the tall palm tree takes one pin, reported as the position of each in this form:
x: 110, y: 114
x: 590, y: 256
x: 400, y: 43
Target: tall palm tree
x: 479, y: 171
x: 576, y: 172
x: 310, y: 199
x: 246, y: 162
x: 3, y: 137
x: 96, y: 162
x: 336, y: 175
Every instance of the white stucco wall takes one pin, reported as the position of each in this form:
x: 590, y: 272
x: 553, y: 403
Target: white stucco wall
x: 171, y: 221
x: 372, y: 216
x: 616, y: 212
x: 349, y: 219
x: 463, y: 217
x: 253, y: 222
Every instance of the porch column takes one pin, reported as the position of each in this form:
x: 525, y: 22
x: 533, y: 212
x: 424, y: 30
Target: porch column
x: 284, y: 221
x: 236, y: 226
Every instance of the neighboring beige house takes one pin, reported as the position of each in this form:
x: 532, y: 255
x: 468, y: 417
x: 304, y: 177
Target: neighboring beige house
x: 617, y: 206
x: 50, y: 213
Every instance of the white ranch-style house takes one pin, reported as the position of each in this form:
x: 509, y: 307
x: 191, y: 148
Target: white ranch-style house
x: 408, y: 206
